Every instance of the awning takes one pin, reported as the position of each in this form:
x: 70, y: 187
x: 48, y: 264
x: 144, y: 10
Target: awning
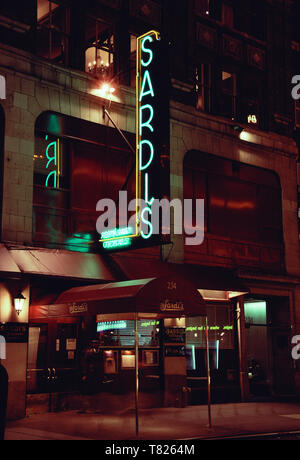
x: 7, y: 263
x: 161, y: 297
x: 206, y: 279
x: 60, y: 263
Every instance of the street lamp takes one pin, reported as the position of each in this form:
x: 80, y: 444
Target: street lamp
x: 19, y: 302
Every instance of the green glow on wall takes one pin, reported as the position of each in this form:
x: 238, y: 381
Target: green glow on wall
x: 79, y: 242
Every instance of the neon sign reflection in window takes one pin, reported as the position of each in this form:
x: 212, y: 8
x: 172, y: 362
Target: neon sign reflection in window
x: 52, y: 155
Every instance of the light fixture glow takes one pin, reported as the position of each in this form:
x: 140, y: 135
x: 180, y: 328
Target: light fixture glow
x: 19, y: 301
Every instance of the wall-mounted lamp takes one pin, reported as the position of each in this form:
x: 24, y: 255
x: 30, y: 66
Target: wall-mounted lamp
x: 19, y: 301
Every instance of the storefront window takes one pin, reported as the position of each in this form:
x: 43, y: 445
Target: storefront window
x: 221, y: 336
x: 122, y: 333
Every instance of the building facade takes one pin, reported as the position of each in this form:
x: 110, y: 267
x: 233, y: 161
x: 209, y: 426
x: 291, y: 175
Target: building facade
x: 231, y: 143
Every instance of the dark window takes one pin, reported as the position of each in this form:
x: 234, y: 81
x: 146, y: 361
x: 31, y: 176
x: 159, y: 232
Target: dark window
x: 242, y: 202
x: 51, y: 162
x: 228, y: 15
x: 203, y: 87
x: 52, y: 31
x: 86, y: 169
x: 133, y: 60
x: 257, y: 19
x: 202, y: 7
x: 252, y: 101
x: 228, y: 93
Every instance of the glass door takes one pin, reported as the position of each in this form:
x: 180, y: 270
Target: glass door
x: 53, y: 357
x: 258, y: 349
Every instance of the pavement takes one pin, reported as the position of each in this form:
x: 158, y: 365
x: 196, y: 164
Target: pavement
x: 238, y: 419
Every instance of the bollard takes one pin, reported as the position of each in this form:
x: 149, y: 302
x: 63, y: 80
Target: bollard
x: 3, y: 399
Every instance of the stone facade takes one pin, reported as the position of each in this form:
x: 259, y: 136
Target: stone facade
x: 34, y: 86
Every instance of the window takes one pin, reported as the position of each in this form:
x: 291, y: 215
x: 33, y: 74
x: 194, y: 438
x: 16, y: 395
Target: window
x: 222, y: 350
x: 51, y: 162
x: 228, y: 95
x: 133, y: 60
x: 228, y: 15
x: 203, y: 87
x: 243, y: 202
x: 122, y: 333
x: 251, y: 109
x: 51, y: 197
x: 211, y: 8
x: 73, y: 170
x: 202, y: 7
x: 99, y: 48
x: 52, y: 31
x: 256, y: 19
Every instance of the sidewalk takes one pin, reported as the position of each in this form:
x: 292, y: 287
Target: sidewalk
x: 160, y: 424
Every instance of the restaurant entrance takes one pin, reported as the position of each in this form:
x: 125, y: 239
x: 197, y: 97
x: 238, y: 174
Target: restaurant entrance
x: 268, y: 331
x: 53, y: 360
x: 95, y: 353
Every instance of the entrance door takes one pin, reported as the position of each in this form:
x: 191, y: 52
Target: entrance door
x: 53, y: 357
x: 258, y: 348
x: 268, y: 350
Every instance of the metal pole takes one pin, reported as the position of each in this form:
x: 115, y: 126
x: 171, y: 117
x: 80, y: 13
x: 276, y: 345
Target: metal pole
x: 136, y: 376
x: 118, y: 129
x: 208, y: 375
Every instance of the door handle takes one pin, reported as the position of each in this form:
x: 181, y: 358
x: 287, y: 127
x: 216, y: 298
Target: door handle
x: 49, y: 374
x: 54, y: 376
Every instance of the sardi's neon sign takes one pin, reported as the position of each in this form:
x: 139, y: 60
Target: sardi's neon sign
x: 145, y: 129
x: 147, y: 151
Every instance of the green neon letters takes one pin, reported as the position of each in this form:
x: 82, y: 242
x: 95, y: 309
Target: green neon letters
x: 114, y: 244
x: 146, y: 80
x: 146, y: 124
x: 52, y: 159
x: 147, y: 50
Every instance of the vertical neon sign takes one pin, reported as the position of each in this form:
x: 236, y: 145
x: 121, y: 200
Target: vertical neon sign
x: 53, y: 157
x: 152, y: 139
x: 145, y: 127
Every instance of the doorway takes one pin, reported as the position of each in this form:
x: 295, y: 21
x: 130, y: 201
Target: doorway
x: 267, y: 331
x: 53, y: 362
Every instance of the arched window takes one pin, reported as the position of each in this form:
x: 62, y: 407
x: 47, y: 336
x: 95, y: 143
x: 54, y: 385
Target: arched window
x: 243, y: 208
x: 76, y: 163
